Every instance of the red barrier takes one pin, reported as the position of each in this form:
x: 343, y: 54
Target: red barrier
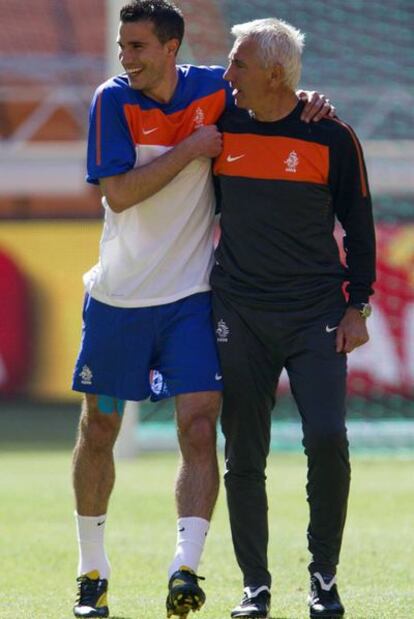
x: 15, y: 336
x: 386, y: 363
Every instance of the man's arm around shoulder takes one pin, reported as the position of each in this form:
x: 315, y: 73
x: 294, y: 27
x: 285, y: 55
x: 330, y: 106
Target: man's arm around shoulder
x: 125, y: 190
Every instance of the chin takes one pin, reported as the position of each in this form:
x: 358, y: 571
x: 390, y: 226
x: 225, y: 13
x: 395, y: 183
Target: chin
x: 241, y: 104
x: 136, y: 82
x: 142, y: 87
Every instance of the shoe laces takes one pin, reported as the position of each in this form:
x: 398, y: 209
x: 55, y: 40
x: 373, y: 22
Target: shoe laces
x: 189, y: 573
x: 87, y: 590
x: 199, y: 577
x: 252, y: 593
x: 323, y: 587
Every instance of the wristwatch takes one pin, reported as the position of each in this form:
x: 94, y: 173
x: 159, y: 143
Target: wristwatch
x: 365, y: 309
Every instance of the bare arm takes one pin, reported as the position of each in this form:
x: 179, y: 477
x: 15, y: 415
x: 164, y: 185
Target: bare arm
x: 125, y: 190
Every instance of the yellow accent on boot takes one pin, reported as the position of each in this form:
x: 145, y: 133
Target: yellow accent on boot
x: 89, y: 586
x: 93, y: 575
x: 178, y: 581
x: 184, y: 594
x: 103, y: 600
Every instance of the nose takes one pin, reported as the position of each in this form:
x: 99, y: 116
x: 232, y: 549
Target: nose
x: 124, y: 57
x: 227, y: 74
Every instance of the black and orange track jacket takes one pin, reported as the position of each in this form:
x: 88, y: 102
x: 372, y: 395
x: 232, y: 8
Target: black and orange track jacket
x: 280, y: 187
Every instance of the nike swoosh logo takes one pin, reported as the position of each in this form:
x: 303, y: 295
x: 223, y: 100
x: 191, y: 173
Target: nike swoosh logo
x: 181, y: 530
x: 329, y: 329
x: 218, y: 377
x: 100, y: 523
x: 148, y: 131
x: 230, y: 158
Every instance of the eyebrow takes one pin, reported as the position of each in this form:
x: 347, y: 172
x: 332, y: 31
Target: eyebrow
x: 234, y: 58
x: 137, y: 42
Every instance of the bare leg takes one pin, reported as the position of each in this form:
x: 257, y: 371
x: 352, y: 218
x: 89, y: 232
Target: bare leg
x: 197, y: 481
x: 93, y: 462
x: 196, y: 489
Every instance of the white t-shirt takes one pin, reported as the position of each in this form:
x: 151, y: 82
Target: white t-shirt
x: 161, y: 249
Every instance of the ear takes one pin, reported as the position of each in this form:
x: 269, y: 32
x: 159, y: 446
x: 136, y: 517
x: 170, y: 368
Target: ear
x: 172, y: 47
x: 276, y: 74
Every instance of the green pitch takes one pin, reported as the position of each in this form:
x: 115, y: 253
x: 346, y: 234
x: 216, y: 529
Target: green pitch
x: 38, y: 550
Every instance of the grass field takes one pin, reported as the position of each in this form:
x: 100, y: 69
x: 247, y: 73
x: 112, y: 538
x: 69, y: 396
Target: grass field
x: 38, y: 550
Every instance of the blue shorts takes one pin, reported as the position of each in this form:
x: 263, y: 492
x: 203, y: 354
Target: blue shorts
x: 156, y: 352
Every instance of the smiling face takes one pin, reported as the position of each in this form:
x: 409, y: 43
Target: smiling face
x: 248, y: 77
x: 148, y: 63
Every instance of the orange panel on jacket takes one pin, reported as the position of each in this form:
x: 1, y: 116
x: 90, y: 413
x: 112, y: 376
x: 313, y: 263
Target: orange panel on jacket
x: 274, y: 158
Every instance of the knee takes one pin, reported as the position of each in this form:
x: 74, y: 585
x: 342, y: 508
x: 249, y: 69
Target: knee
x: 242, y: 467
x: 197, y: 431
x: 325, y: 442
x: 97, y: 430
x: 329, y: 453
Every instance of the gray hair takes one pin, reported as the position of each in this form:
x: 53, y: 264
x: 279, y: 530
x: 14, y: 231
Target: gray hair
x: 278, y: 42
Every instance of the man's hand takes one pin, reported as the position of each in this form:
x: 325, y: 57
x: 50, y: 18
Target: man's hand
x: 352, y: 331
x: 133, y: 187
x: 206, y: 141
x: 317, y: 106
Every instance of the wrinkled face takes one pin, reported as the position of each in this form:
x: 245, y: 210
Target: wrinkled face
x: 247, y: 76
x: 145, y: 59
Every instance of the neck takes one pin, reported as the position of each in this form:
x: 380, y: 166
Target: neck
x: 276, y: 106
x: 164, y: 91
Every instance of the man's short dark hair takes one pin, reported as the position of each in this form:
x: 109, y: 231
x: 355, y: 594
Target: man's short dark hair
x: 167, y: 19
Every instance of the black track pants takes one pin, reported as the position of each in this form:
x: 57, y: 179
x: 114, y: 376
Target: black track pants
x: 254, y: 347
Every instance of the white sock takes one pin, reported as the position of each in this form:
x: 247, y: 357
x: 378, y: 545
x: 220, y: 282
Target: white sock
x: 191, y: 536
x: 92, y: 555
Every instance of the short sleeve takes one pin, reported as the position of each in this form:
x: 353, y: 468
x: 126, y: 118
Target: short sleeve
x: 111, y: 149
